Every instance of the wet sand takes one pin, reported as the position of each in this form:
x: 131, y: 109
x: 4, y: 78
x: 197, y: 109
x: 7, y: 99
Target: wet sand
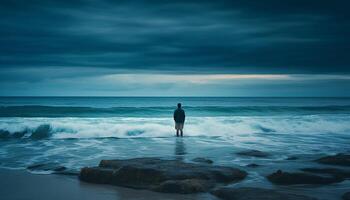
x: 22, y: 185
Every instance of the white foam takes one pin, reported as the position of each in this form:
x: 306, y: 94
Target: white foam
x: 164, y: 127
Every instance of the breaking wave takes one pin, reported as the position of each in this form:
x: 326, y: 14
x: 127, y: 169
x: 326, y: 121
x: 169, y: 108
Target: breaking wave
x: 120, y: 127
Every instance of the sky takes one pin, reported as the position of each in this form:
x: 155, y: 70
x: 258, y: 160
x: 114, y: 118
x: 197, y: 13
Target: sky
x: 175, y: 48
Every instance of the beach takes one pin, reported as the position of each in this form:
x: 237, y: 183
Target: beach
x: 41, y: 137
x: 20, y: 184
x: 174, y: 100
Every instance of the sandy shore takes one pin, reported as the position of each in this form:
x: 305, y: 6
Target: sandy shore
x: 22, y: 185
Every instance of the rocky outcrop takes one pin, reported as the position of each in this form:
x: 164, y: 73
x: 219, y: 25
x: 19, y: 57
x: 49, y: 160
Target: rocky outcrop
x: 293, y: 178
x: 253, y: 153
x: 43, y: 131
x: 339, y: 159
x: 248, y: 193
x: 186, y: 186
x: 172, y: 176
x: 202, y: 160
x: 346, y: 196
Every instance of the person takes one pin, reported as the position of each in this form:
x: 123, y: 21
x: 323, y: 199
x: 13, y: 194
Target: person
x: 179, y: 118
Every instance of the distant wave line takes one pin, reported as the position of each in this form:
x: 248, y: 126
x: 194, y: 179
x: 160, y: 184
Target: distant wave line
x: 76, y: 111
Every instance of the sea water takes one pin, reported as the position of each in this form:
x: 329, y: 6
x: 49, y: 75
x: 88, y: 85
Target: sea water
x: 85, y: 130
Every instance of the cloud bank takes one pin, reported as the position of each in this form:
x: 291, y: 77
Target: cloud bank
x: 55, y: 42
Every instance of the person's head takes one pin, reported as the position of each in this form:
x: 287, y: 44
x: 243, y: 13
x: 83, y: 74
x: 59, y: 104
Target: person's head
x: 179, y: 105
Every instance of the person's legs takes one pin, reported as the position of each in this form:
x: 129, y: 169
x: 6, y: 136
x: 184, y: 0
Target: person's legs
x: 177, y: 129
x: 181, y: 127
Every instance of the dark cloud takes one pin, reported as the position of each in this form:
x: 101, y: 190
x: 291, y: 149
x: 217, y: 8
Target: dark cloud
x: 271, y: 36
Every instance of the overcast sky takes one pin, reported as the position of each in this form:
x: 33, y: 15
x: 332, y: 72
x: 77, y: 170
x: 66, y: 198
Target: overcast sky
x: 175, y: 48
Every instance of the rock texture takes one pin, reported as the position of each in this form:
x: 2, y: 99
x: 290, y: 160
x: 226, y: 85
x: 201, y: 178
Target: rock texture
x: 171, y: 176
x: 186, y: 186
x: 253, y: 153
x: 339, y: 159
x: 289, y: 178
x: 247, y: 193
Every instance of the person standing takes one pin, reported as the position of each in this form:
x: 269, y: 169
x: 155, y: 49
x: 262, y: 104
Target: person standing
x: 179, y: 118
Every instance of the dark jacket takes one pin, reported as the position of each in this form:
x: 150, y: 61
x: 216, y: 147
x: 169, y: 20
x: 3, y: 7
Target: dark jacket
x: 179, y: 115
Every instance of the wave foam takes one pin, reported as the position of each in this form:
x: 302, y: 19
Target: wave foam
x: 164, y: 127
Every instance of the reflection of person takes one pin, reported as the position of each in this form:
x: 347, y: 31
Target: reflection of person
x: 179, y: 118
x: 180, y: 148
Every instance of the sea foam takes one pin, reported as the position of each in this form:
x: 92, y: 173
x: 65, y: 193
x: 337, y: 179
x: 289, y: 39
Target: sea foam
x: 121, y: 127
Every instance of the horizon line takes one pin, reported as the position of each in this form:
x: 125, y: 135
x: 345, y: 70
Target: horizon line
x: 82, y: 96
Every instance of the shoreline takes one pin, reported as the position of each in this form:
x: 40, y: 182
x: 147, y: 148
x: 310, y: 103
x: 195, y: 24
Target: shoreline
x: 21, y: 184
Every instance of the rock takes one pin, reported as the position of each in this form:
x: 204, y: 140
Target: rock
x: 339, y: 159
x: 96, y: 175
x: 46, y: 167
x: 4, y: 134
x: 253, y: 165
x: 288, y: 178
x: 43, y: 131
x: 253, y: 153
x: 203, y: 160
x: 248, y: 193
x: 346, y: 196
x: 331, y: 171
x: 292, y: 158
x: 161, y: 175
x: 186, y: 186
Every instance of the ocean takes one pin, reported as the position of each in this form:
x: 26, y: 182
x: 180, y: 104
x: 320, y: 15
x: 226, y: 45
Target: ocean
x: 84, y: 130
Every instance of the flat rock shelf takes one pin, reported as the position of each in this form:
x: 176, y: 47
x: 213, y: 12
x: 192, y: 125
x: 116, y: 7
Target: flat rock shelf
x: 169, y: 176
